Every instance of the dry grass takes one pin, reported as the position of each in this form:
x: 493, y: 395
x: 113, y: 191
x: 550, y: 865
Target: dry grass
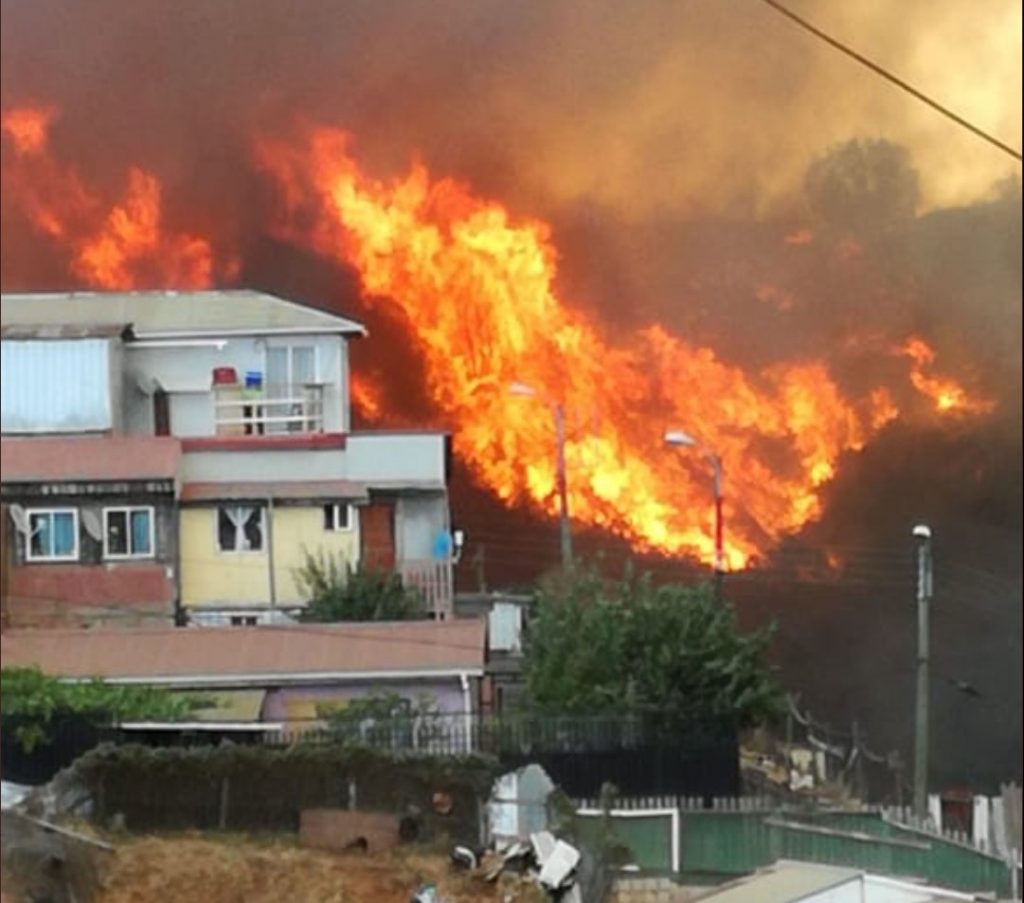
x: 193, y: 868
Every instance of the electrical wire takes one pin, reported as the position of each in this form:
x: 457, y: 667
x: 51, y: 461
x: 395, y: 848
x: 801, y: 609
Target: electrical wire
x: 890, y: 77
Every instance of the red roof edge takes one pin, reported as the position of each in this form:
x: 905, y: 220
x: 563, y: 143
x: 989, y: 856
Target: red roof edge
x: 263, y: 443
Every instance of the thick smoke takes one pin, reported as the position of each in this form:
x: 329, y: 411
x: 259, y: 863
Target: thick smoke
x: 689, y: 156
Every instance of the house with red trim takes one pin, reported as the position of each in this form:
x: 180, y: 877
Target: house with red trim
x: 182, y: 453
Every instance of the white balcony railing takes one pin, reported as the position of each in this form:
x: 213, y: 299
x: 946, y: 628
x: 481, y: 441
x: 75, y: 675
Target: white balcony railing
x: 270, y: 410
x: 434, y: 580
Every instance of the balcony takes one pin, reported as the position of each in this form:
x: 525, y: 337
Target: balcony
x: 433, y: 579
x: 268, y: 410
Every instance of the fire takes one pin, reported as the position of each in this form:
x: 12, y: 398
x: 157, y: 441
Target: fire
x: 124, y: 247
x: 476, y: 289
x: 28, y: 128
x: 946, y: 394
x: 367, y: 396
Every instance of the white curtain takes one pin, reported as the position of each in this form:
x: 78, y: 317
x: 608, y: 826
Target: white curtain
x: 239, y: 516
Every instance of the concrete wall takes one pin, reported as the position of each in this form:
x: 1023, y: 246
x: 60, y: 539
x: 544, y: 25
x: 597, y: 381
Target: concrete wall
x: 211, y: 577
x: 383, y: 459
x: 186, y: 373
x: 264, y: 466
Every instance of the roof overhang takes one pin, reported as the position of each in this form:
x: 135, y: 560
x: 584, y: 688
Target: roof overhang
x: 260, y: 679
x: 198, y: 493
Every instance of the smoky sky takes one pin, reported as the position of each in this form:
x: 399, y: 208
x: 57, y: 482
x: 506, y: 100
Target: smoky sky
x: 692, y: 106
x: 669, y: 145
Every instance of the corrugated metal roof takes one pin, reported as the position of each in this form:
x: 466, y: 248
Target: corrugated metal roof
x: 213, y: 656
x: 64, y: 331
x: 172, y: 314
x: 295, y: 490
x: 67, y: 458
x: 55, y: 386
x: 784, y: 882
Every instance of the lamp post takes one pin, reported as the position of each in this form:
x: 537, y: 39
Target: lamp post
x: 923, y: 535
x: 680, y: 439
x: 561, y: 482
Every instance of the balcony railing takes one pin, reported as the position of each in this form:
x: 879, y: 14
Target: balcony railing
x: 434, y: 581
x: 269, y: 410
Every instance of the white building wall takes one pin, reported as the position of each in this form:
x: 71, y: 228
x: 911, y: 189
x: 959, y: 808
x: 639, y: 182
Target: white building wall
x: 185, y: 372
x: 383, y: 458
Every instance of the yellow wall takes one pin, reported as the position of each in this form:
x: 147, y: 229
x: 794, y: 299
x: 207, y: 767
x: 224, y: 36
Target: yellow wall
x: 298, y: 530
x: 210, y: 577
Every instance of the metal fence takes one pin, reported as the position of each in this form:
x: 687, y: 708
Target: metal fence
x: 638, y: 753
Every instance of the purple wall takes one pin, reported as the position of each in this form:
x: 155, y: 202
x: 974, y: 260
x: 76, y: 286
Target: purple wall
x: 289, y: 703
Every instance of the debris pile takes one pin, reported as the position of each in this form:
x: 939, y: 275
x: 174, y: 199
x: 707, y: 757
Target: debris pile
x: 545, y: 861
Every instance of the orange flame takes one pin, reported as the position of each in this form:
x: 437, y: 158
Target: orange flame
x: 124, y: 248
x: 946, y: 394
x: 367, y: 396
x: 28, y: 128
x: 476, y: 289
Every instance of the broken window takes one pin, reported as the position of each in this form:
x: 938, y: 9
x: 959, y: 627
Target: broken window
x: 240, y: 528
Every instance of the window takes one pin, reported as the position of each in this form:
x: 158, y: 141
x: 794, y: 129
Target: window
x: 127, y: 532
x: 53, y: 535
x: 290, y: 370
x: 240, y: 528
x: 244, y: 620
x: 338, y: 517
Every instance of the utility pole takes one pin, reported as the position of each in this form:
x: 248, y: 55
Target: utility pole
x: 565, y: 533
x: 923, y: 535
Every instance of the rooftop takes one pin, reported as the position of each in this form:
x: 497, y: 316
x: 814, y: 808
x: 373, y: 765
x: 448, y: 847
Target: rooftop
x: 68, y: 458
x: 153, y: 315
x: 790, y: 881
x: 251, y: 656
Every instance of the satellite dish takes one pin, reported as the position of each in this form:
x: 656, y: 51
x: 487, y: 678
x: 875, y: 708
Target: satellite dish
x: 92, y: 524
x: 20, y: 519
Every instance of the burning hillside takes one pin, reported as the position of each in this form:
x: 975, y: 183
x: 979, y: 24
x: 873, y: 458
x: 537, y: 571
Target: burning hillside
x: 475, y: 289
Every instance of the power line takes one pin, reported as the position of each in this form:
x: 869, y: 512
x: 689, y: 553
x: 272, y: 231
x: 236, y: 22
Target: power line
x: 894, y: 79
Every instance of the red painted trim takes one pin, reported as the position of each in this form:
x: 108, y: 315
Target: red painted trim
x: 263, y: 443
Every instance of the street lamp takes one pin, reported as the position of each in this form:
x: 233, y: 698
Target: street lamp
x: 923, y: 535
x: 565, y: 534
x: 680, y: 439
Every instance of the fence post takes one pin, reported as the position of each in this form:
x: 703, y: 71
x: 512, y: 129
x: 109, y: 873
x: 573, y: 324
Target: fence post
x: 225, y: 793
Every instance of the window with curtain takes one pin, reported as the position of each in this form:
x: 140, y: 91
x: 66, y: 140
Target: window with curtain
x: 240, y: 528
x: 128, y: 532
x: 53, y: 535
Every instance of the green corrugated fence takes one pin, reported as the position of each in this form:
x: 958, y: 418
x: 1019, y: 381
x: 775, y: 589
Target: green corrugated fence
x: 723, y: 843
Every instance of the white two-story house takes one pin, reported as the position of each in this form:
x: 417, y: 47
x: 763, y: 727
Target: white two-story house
x: 202, y: 441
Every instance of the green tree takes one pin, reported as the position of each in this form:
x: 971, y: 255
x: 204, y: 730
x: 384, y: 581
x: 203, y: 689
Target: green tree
x: 598, y: 647
x: 31, y: 701
x: 339, y: 592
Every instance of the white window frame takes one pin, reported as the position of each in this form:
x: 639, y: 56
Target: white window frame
x: 234, y: 552
x: 289, y: 347
x: 127, y: 510
x: 334, y: 528
x: 29, y: 513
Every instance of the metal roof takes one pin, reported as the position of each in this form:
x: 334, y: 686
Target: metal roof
x: 783, y: 882
x: 290, y: 490
x: 252, y: 656
x: 171, y: 314
x: 61, y: 459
